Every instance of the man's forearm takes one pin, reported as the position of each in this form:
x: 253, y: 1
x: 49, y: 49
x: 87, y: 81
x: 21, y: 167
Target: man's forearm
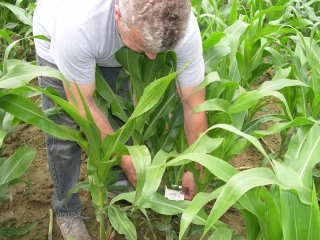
x: 194, y: 124
x: 100, y: 119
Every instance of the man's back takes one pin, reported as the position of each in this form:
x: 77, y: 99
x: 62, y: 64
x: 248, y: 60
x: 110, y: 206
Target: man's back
x: 84, y: 34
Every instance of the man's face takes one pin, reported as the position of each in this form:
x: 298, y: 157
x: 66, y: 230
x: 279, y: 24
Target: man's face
x: 132, y: 40
x: 131, y: 37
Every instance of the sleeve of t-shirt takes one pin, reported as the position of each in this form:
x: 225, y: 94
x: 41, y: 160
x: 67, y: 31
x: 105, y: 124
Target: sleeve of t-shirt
x: 189, y: 49
x: 72, y: 54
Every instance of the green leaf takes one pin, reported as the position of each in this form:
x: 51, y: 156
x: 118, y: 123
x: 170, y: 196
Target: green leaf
x: 197, y: 203
x: 20, y: 13
x: 11, y: 232
x: 129, y: 59
x: 167, y: 106
x: 6, y: 36
x: 295, y: 217
x: 22, y: 74
x: 151, y: 95
x: 212, y: 40
x: 162, y: 205
x: 303, y: 152
x: 213, y: 105
x: 249, y: 99
x: 106, y: 92
x: 141, y: 160
x: 240, y: 184
x: 252, y: 225
x: 121, y: 223
x: 222, y: 234
x: 273, y: 228
x: 111, y: 142
x: 216, y: 166
x: 278, y: 127
x: 233, y: 14
x: 85, y: 185
x: 3, y: 190
x: 127, y: 196
x: 153, y: 178
x: 166, y: 141
x: 253, y: 140
x: 12, y: 45
x: 204, y: 144
x: 16, y: 164
x: 214, y: 55
x: 279, y: 84
x: 25, y: 110
x: 277, y: 57
x: 269, y: 10
x: 314, y: 225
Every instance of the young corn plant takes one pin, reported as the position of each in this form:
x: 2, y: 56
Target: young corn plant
x: 268, y: 214
x: 10, y: 171
x: 16, y: 23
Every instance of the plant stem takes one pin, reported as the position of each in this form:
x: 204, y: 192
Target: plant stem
x: 50, y: 225
x: 101, y: 217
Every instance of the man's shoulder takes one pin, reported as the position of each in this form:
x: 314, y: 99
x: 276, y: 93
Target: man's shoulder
x: 192, y: 34
x: 83, y: 12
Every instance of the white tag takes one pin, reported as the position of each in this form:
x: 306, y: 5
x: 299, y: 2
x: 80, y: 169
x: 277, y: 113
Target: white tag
x: 173, y: 195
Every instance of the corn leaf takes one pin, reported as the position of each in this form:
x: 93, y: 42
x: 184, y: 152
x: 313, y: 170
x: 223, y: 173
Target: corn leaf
x: 222, y: 233
x: 273, y: 226
x: 153, y: 177
x: 303, y: 153
x: 167, y: 106
x: 191, y: 211
x: 167, y: 140
x: 240, y: 184
x: 130, y: 61
x: 141, y: 160
x: 11, y: 232
x: 213, y: 105
x: 151, y: 95
x: 16, y: 164
x: 252, y: 225
x: 214, y: 55
x: 22, y: 74
x: 279, y: 84
x: 212, y: 40
x: 25, y: 110
x: 106, y: 92
x: 20, y: 13
x: 278, y: 127
x: 249, y: 99
x: 121, y: 223
x: 295, y: 217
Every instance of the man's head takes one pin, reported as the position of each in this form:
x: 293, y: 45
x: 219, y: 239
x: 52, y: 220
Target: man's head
x: 152, y: 26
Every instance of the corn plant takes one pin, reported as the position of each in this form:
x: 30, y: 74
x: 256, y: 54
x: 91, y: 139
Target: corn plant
x: 16, y: 23
x: 10, y: 171
x: 262, y: 209
x: 241, y: 41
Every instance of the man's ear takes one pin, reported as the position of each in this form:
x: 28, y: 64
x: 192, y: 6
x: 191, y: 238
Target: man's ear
x: 117, y: 12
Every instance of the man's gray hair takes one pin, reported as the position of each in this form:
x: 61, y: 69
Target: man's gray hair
x: 160, y: 23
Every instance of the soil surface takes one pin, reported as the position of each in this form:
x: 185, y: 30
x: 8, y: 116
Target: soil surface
x: 26, y: 207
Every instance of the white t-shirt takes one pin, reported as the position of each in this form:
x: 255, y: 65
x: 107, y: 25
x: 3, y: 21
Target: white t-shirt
x: 85, y: 33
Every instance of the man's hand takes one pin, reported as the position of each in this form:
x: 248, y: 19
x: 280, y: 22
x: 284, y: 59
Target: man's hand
x: 188, y: 186
x: 128, y: 168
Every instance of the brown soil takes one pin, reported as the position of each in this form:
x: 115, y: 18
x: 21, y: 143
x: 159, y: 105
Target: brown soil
x: 26, y: 207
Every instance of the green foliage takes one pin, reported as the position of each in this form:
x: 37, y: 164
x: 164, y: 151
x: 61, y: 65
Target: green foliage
x: 10, y: 232
x: 16, y: 23
x: 256, y: 53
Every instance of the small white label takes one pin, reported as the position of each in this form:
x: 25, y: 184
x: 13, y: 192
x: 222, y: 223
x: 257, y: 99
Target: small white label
x: 173, y: 195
